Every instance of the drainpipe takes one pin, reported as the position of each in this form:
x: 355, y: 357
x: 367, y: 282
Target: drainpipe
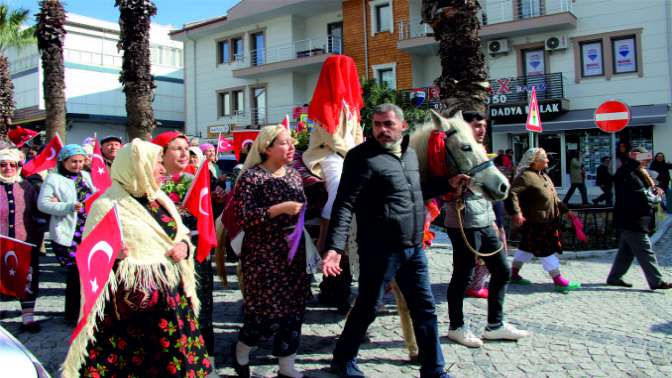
x: 186, y: 101
x: 366, y: 43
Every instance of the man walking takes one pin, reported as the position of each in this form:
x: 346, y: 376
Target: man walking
x: 381, y: 185
x: 478, y: 223
x: 577, y: 175
x: 634, y: 216
x: 605, y: 181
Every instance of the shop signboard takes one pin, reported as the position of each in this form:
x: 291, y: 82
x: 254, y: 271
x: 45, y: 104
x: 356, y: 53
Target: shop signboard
x: 518, y: 113
x: 612, y: 116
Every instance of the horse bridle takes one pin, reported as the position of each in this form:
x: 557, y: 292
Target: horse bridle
x: 452, y: 162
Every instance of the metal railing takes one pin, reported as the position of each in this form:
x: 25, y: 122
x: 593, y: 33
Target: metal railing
x: 297, y: 49
x: 548, y: 86
x: 496, y: 11
x: 413, y: 28
x: 258, y: 116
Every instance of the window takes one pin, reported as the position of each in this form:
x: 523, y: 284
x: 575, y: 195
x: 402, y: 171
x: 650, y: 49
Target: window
x: 238, y: 98
x: 533, y: 62
x: 335, y: 33
x: 529, y: 8
x: 258, y: 48
x: 592, y: 61
x: 230, y: 103
x: 624, y: 52
x: 381, y: 16
x: 238, y: 49
x: 258, y: 105
x: 386, y: 74
x: 223, y: 52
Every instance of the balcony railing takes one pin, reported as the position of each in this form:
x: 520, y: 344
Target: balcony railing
x: 258, y: 116
x: 493, y: 12
x: 295, y: 50
x: 515, y: 89
x: 496, y: 11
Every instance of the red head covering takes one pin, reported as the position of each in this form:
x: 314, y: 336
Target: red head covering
x: 19, y: 136
x: 436, y: 154
x: 338, y: 84
x: 165, y: 138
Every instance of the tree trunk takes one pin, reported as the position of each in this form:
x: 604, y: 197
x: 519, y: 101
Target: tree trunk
x: 50, y: 33
x: 463, y: 81
x: 136, y: 77
x: 6, y: 97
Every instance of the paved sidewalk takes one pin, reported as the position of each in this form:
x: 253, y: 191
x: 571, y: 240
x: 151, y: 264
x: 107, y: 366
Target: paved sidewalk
x: 597, y: 331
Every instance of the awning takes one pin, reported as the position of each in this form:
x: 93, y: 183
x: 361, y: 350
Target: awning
x: 642, y: 115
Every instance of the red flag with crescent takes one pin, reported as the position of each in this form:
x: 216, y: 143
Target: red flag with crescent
x: 95, y: 257
x: 223, y: 144
x: 47, y: 159
x: 14, y: 266
x: 199, y: 204
x: 99, y: 173
x: 241, y: 139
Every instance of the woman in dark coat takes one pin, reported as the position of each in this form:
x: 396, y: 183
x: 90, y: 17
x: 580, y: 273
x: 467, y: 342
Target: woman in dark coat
x: 536, y: 209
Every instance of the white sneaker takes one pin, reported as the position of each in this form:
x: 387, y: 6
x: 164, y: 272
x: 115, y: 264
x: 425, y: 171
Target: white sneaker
x: 464, y: 336
x: 505, y: 332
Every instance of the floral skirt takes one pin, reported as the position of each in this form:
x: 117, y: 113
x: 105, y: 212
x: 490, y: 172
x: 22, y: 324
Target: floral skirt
x: 147, y: 335
x: 540, y: 239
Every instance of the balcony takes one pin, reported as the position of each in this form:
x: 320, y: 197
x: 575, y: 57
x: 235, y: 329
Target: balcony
x: 300, y: 56
x: 499, y: 18
x: 257, y: 117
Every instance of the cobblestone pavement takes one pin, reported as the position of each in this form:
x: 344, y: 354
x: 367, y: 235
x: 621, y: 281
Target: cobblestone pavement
x: 597, y: 331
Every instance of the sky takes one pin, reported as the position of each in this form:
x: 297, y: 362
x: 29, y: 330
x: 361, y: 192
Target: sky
x: 169, y: 12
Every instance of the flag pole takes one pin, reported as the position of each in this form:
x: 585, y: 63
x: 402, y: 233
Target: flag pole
x: 219, y: 138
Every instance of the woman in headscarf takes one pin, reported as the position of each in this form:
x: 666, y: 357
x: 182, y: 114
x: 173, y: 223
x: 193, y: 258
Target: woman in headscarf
x: 62, y: 196
x: 176, y: 183
x: 536, y: 209
x: 18, y: 210
x: 268, y: 198
x: 148, y: 306
x: 195, y: 159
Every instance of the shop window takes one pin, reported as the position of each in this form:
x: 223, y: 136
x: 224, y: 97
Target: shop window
x: 608, y: 54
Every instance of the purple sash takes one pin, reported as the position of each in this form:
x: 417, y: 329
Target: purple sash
x: 294, y: 239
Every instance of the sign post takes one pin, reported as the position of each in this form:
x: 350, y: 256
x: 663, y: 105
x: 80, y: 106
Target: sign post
x: 611, y: 117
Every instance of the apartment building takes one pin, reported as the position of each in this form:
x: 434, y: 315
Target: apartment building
x: 576, y: 54
x: 94, y: 98
x: 256, y: 64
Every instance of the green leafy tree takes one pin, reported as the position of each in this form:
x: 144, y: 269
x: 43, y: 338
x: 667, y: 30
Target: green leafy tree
x: 13, y: 34
x: 136, y: 76
x: 50, y: 33
x: 376, y: 94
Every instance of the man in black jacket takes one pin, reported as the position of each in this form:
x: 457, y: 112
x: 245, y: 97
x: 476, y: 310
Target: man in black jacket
x: 634, y: 216
x: 605, y: 181
x: 380, y: 183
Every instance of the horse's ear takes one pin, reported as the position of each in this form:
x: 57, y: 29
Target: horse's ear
x: 436, y: 118
x: 459, y: 115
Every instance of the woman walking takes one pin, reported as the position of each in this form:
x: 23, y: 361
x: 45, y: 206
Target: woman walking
x: 536, y: 209
x: 62, y: 196
x: 175, y: 183
x: 18, y: 212
x: 148, y: 326
x: 267, y: 201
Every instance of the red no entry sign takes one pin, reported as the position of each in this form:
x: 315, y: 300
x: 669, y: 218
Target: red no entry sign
x: 612, y: 116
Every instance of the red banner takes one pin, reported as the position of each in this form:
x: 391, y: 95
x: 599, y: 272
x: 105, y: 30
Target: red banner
x: 199, y: 204
x: 14, y: 266
x: 241, y: 139
x: 47, y: 159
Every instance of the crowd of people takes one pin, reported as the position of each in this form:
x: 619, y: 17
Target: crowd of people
x: 158, y: 319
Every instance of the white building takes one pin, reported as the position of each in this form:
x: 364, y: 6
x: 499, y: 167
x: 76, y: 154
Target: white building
x: 254, y: 65
x: 95, y: 100
x: 578, y: 54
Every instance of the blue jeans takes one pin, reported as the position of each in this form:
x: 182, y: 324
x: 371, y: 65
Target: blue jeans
x: 408, y: 266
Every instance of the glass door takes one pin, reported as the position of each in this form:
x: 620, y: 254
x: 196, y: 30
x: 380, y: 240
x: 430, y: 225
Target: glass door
x: 335, y: 37
x: 258, y: 52
x: 259, y: 106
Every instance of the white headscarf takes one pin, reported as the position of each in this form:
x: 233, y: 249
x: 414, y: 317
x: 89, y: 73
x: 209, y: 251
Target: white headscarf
x: 528, y: 159
x: 133, y: 168
x: 11, y: 154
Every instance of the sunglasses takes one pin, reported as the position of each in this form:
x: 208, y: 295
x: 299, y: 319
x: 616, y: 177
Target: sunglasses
x: 9, y: 164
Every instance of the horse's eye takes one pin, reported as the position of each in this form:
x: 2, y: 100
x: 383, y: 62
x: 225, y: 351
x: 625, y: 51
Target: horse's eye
x: 466, y: 147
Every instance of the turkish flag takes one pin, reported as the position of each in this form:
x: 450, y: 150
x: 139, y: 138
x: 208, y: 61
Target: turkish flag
x: 285, y: 122
x: 199, y: 204
x: 14, y: 266
x: 223, y: 144
x: 47, y: 159
x: 95, y: 258
x: 99, y: 173
x: 241, y: 138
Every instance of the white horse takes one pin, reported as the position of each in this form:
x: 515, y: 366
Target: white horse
x: 463, y: 155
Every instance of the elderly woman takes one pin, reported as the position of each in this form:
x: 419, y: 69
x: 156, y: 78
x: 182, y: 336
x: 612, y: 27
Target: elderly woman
x: 536, y: 209
x: 62, y: 196
x: 18, y: 208
x: 267, y: 201
x: 176, y: 183
x: 148, y: 326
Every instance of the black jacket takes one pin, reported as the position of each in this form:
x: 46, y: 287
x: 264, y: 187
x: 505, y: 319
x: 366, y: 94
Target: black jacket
x: 663, y: 170
x: 634, y: 210
x: 603, y: 178
x: 384, y: 192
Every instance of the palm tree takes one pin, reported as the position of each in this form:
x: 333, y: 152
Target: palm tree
x: 50, y: 33
x: 12, y: 34
x: 134, y: 22
x: 463, y: 81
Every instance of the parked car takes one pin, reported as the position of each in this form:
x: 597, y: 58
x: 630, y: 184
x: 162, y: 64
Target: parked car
x: 16, y: 360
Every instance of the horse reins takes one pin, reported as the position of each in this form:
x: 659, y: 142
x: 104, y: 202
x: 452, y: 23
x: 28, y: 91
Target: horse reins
x: 459, y: 203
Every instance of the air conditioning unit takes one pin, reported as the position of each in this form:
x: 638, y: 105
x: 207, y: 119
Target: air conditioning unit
x: 558, y: 42
x: 498, y: 46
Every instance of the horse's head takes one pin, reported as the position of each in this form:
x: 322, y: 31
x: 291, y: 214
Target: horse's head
x: 465, y: 155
